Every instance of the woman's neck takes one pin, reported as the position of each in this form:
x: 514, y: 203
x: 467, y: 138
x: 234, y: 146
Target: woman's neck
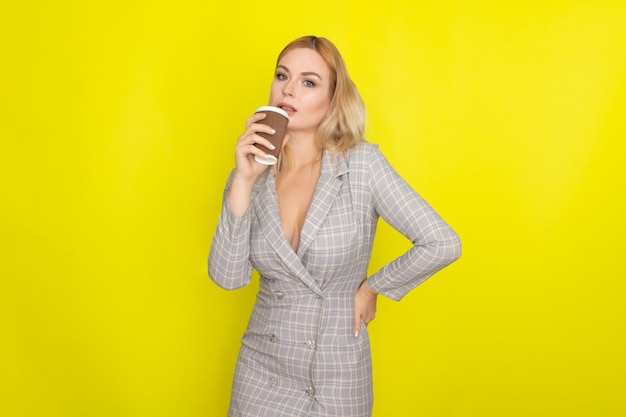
x: 303, y: 151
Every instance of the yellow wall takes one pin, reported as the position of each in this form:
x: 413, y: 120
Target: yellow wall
x: 117, y: 126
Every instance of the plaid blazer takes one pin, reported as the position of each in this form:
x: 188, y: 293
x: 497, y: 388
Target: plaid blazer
x: 298, y: 356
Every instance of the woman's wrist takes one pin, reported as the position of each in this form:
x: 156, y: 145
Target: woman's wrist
x: 240, y: 195
x: 365, y: 287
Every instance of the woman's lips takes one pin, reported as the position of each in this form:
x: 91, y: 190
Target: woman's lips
x: 286, y: 107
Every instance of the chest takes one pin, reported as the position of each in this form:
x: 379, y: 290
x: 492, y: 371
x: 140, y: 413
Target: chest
x: 295, y: 194
x: 335, y: 236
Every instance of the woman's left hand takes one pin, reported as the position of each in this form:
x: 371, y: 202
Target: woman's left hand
x: 364, y: 307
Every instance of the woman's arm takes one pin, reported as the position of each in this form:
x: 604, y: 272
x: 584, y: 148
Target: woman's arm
x: 435, y: 244
x: 229, y: 263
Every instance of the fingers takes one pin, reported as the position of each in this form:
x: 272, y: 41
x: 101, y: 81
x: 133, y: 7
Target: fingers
x: 246, y: 147
x: 252, y: 136
x: 252, y: 127
x: 356, y: 331
x: 358, y: 322
x: 364, y: 307
x: 255, y: 118
x: 247, y: 170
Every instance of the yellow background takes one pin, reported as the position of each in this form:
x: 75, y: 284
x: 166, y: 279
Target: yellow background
x: 118, y: 121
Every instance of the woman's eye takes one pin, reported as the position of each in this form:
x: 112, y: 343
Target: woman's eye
x: 309, y: 83
x: 281, y: 76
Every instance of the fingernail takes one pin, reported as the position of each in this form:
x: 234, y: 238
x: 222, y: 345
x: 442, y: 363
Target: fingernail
x: 272, y: 131
x: 272, y: 146
x: 356, y: 333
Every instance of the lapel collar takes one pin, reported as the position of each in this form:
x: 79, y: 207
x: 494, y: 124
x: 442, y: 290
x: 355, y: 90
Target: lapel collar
x: 328, y: 185
x: 268, y: 214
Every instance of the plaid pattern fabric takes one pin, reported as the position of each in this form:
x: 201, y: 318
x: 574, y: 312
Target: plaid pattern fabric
x: 298, y: 356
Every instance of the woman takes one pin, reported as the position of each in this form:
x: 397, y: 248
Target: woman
x: 307, y: 226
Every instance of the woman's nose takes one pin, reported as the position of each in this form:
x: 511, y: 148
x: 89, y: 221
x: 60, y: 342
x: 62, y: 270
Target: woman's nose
x: 288, y: 89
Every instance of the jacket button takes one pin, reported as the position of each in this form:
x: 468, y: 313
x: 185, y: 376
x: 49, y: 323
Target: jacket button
x: 279, y: 294
x: 311, y: 344
x: 273, y: 338
x: 273, y: 382
x: 310, y: 392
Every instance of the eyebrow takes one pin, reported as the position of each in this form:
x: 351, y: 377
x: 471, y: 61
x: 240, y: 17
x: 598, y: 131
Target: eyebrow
x: 306, y: 73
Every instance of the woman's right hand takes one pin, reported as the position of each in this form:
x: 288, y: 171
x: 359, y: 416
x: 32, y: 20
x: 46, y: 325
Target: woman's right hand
x: 247, y: 169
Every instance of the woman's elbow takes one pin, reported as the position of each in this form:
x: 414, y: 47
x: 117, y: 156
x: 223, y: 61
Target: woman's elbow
x: 228, y: 283
x: 452, y: 248
x: 229, y: 280
x: 449, y: 250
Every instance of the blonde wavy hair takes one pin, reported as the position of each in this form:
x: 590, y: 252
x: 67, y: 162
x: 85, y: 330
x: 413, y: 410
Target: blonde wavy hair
x: 344, y: 127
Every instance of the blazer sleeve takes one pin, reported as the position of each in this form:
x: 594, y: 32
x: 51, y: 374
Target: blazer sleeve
x: 229, y: 256
x: 435, y: 244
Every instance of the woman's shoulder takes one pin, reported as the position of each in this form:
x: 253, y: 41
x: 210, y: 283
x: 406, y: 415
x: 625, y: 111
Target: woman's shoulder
x: 368, y: 159
x: 359, y: 159
x: 362, y: 151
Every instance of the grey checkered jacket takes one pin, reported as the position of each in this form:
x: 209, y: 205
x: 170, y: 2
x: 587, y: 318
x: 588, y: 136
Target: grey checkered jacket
x: 298, y: 356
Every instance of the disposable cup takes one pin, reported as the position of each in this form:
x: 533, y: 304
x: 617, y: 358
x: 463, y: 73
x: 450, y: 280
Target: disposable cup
x: 277, y: 119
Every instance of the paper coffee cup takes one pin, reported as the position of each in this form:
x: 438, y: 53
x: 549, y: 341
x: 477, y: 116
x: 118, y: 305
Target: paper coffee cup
x: 277, y: 119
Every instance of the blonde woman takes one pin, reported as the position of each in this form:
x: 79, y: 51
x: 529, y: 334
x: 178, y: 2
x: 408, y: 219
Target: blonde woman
x: 307, y: 226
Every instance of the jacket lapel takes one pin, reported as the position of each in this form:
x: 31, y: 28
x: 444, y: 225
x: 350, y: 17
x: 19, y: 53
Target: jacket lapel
x: 268, y: 214
x: 328, y: 186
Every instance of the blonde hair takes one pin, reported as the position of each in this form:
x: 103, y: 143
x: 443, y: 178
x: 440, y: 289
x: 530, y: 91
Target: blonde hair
x: 344, y: 126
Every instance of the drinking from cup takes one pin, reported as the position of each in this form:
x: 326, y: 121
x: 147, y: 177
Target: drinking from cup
x: 277, y: 119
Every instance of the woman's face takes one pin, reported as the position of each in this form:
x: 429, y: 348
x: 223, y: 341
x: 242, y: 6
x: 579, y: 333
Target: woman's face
x: 301, y: 87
